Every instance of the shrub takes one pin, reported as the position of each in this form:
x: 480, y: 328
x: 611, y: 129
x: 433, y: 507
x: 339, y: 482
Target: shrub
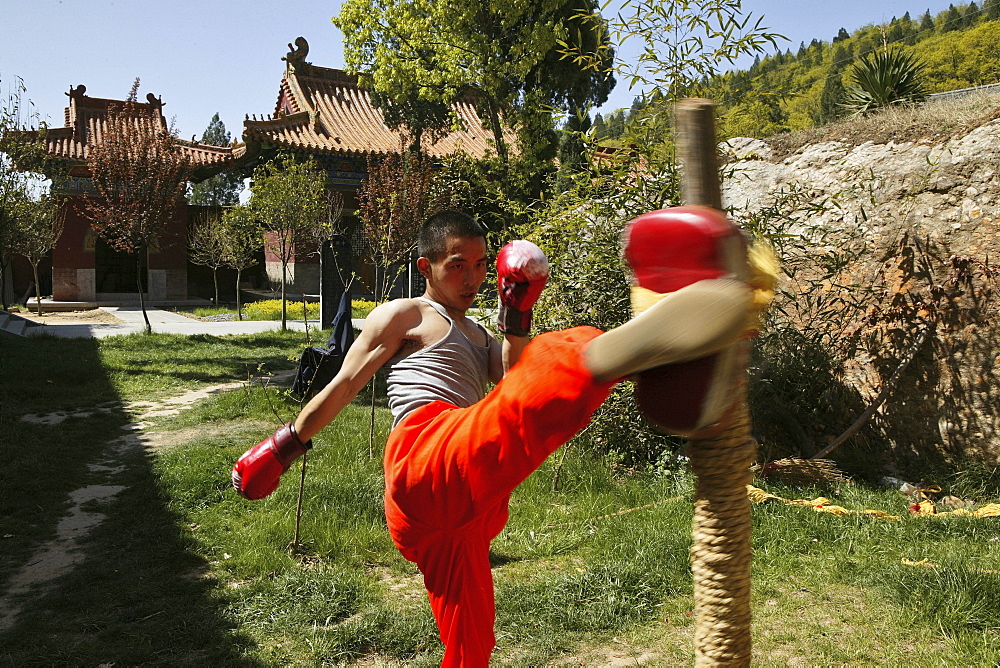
x: 270, y: 309
x: 885, y: 78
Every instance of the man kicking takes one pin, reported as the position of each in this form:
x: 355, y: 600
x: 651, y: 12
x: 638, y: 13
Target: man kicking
x: 456, y: 450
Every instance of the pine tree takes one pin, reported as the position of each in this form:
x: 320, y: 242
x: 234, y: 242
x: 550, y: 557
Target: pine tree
x: 841, y: 57
x: 832, y: 97
x: 573, y: 150
x: 895, y: 33
x: 926, y: 22
x: 842, y: 34
x: 639, y: 103
x: 971, y: 15
x: 600, y: 129
x: 804, y: 58
x: 615, y: 124
x: 952, y: 19
x: 992, y: 10
x: 910, y: 28
x: 222, y: 189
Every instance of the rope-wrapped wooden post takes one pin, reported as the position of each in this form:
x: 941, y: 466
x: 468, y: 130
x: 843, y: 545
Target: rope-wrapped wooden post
x: 720, y: 552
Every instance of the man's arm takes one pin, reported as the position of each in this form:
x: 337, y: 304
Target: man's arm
x: 384, y: 332
x: 257, y: 473
x: 513, y: 346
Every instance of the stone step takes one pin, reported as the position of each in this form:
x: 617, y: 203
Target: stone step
x: 15, y: 325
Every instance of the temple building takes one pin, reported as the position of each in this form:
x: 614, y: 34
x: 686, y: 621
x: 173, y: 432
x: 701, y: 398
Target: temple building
x: 323, y: 114
x: 320, y: 113
x: 84, y: 268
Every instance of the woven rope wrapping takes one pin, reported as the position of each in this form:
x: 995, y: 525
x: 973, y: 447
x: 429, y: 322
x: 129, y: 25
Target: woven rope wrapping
x: 720, y: 553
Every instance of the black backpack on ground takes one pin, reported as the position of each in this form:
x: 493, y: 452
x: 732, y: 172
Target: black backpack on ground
x: 318, y: 366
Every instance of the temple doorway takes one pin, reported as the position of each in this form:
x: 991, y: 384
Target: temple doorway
x: 115, y: 271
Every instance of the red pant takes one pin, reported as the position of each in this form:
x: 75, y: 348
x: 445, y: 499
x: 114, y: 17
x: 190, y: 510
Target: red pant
x: 449, y: 473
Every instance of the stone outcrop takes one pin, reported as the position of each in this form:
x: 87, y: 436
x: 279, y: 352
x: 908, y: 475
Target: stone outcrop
x: 942, y: 195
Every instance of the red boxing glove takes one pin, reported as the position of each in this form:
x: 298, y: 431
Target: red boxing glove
x: 668, y: 250
x: 673, y: 248
x: 256, y: 474
x: 522, y: 271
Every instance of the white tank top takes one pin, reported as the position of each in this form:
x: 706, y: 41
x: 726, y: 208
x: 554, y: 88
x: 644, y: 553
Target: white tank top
x: 453, y: 369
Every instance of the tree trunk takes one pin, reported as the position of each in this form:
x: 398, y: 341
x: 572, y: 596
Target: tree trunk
x: 284, y: 304
x: 3, y: 282
x: 138, y: 283
x: 38, y: 289
x: 215, y: 280
x: 497, y: 130
x: 239, y: 302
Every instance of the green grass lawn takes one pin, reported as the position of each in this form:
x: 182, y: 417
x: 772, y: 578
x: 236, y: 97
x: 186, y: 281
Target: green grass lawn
x: 183, y: 572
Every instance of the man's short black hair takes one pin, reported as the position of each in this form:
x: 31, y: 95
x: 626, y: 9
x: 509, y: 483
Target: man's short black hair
x: 449, y: 223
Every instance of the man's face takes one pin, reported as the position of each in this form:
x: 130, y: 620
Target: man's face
x: 455, y: 279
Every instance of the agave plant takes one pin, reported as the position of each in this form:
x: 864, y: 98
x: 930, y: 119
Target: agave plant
x: 890, y: 76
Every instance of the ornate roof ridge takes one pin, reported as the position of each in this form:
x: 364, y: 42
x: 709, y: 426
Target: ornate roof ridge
x: 282, y: 121
x: 326, y: 73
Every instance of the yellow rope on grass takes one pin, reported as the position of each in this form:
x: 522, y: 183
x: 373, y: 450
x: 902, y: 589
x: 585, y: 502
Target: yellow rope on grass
x: 617, y: 513
x: 924, y: 508
x: 927, y: 563
x: 820, y: 504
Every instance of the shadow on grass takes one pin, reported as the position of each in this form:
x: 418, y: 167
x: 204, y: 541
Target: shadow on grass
x: 182, y: 359
x: 96, y: 567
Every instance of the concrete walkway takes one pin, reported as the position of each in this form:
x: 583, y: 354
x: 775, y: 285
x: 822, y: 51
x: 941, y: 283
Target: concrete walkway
x: 166, y: 322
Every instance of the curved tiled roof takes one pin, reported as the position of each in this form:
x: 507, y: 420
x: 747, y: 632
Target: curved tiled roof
x: 323, y: 110
x: 86, y: 121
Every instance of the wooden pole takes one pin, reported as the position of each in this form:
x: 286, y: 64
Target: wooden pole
x: 695, y: 130
x: 720, y: 550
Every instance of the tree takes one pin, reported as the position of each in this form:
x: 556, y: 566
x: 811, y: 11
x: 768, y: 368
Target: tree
x: 615, y: 124
x: 418, y: 118
x: 755, y: 115
x: 140, y: 177
x: 242, y: 240
x: 842, y: 34
x: 992, y: 10
x: 682, y: 46
x: 842, y: 57
x: 393, y: 202
x: 598, y: 128
x: 971, y: 16
x: 287, y: 201
x: 224, y: 188
x: 573, y: 150
x: 926, y: 22
x: 886, y: 77
x: 20, y: 150
x: 421, y: 50
x: 14, y: 203
x: 831, y: 100
x: 36, y: 232
x: 896, y: 32
x: 952, y: 20
x: 207, y: 244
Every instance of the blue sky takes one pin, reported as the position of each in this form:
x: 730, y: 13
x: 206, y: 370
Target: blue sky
x: 224, y: 56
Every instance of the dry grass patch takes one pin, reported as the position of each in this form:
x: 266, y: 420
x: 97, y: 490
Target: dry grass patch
x: 936, y: 121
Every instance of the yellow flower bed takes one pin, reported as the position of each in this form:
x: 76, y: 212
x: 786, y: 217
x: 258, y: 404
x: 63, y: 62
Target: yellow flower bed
x: 270, y: 309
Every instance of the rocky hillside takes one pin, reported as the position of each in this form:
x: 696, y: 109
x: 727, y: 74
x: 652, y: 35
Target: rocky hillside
x: 917, y: 193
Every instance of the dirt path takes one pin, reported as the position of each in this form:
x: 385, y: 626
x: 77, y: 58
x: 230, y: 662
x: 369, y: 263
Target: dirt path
x: 88, y: 317
x: 58, y: 556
